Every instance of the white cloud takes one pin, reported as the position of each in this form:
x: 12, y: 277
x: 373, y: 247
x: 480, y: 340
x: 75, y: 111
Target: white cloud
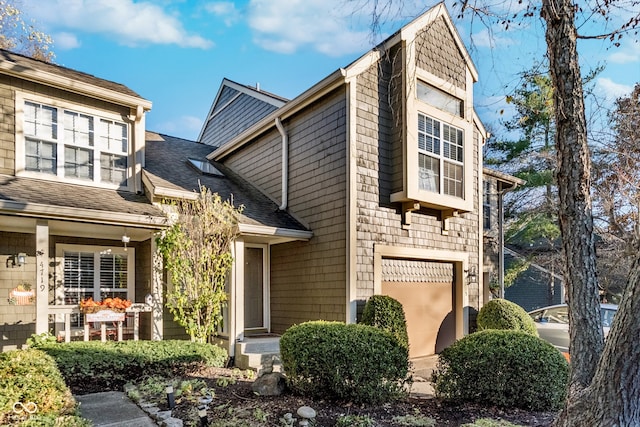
x: 287, y: 26
x: 65, y: 41
x: 491, y: 39
x: 627, y: 55
x: 612, y: 90
x: 131, y: 23
x: 226, y: 10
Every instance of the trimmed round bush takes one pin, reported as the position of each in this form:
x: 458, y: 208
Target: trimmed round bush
x: 506, y: 368
x: 502, y: 314
x: 386, y: 313
x: 355, y: 363
x: 32, y: 376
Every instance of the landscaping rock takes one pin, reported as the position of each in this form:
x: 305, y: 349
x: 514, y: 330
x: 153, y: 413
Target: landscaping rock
x: 171, y: 422
x: 272, y: 384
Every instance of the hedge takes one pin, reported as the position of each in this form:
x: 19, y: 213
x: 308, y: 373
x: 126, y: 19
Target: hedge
x: 502, y: 314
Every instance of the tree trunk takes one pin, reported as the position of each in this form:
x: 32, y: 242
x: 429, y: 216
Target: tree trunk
x: 603, y: 390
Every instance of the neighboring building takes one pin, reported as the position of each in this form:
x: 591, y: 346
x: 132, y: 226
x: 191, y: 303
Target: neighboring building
x: 494, y: 186
x: 71, y: 155
x: 381, y: 163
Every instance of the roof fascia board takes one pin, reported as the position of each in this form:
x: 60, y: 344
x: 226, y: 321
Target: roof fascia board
x: 241, y: 89
x: 71, y: 85
x: 318, y: 90
x: 503, y: 177
x: 157, y: 191
x: 264, y: 230
x: 38, y: 210
x: 255, y: 93
x: 480, y: 125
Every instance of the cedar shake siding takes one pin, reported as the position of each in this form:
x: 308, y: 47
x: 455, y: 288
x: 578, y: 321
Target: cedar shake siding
x: 7, y: 130
x: 17, y: 322
x: 377, y: 221
x: 231, y: 120
x: 437, y: 53
x: 307, y: 278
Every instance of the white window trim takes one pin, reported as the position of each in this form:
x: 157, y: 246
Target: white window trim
x: 20, y: 164
x: 129, y: 252
x: 412, y: 191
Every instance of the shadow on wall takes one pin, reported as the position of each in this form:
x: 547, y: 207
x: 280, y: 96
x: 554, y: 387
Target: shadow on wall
x: 14, y: 336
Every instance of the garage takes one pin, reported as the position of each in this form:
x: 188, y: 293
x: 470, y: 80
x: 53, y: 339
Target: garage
x: 426, y: 291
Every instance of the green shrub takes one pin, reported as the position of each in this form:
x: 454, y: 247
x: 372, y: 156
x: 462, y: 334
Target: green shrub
x: 354, y: 362
x: 504, y: 368
x: 386, y: 313
x: 502, y: 314
x: 32, y: 376
x: 94, y: 365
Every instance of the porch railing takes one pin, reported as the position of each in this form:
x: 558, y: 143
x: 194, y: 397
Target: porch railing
x: 66, y: 311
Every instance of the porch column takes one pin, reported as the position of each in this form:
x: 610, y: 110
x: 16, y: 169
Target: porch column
x: 237, y: 288
x: 42, y: 276
x: 157, y: 266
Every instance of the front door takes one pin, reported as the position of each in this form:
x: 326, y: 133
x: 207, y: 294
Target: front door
x: 254, y: 288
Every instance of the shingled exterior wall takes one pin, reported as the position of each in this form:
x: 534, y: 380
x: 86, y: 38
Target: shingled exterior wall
x: 378, y: 221
x: 307, y: 278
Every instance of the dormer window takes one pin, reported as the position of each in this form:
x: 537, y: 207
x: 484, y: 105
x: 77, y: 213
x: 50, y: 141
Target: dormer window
x: 74, y: 145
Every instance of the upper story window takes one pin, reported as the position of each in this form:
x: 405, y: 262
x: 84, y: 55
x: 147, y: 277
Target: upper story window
x: 74, y: 145
x: 440, y: 157
x: 439, y: 99
x: 486, y: 204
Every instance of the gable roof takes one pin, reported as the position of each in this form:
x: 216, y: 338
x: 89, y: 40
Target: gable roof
x: 27, y: 68
x: 167, y: 173
x: 235, y: 108
x: 343, y: 75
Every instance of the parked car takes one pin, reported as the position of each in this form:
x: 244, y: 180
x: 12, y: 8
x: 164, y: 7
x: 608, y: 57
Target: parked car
x: 553, y: 323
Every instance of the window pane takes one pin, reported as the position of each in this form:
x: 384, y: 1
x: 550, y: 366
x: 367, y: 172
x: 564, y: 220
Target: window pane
x: 113, y: 168
x: 40, y: 120
x: 78, y: 270
x: 113, y: 136
x: 429, y: 170
x: 452, y: 179
x: 428, y: 134
x: 40, y: 156
x: 439, y: 99
x: 452, y: 147
x: 78, y: 162
x: 78, y: 129
x: 113, y: 271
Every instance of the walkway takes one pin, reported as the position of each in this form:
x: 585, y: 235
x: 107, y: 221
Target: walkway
x: 112, y: 409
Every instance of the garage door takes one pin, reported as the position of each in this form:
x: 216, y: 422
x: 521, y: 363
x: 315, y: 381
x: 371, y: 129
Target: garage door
x: 426, y: 291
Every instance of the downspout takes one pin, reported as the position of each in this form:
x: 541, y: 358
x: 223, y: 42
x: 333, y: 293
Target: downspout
x: 137, y: 136
x: 285, y: 164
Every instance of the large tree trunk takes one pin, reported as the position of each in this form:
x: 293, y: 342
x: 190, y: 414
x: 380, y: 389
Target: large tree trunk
x: 608, y: 392
x: 573, y: 178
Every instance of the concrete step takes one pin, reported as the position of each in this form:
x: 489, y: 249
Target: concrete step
x: 255, y: 353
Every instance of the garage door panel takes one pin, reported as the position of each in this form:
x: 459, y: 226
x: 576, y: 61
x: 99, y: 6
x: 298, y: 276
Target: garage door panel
x: 427, y: 308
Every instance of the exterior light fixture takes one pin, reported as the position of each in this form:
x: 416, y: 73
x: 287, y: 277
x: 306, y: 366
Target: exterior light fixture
x: 125, y: 239
x: 171, y: 401
x: 17, y: 260
x: 202, y: 413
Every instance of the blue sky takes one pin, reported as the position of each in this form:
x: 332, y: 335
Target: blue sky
x: 176, y: 52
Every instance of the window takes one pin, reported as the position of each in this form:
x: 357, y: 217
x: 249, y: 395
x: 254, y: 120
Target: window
x: 74, y: 147
x: 95, y: 272
x: 439, y: 99
x: 205, y: 167
x: 440, y: 157
x: 486, y: 204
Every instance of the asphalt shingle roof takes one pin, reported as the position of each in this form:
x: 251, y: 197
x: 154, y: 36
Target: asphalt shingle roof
x: 167, y: 166
x: 34, y: 64
x: 51, y: 193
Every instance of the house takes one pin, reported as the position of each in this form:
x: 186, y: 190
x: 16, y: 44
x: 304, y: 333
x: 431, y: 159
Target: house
x: 74, y: 222
x: 370, y: 182
x: 380, y: 162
